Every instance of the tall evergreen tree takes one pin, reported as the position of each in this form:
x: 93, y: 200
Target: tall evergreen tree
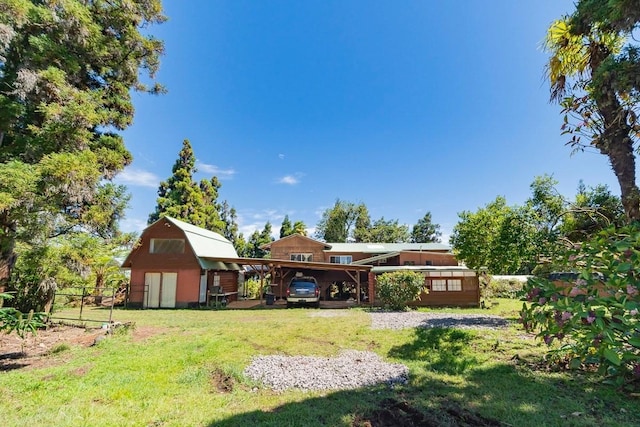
x: 182, y: 198
x: 300, y: 228
x: 67, y: 70
x: 425, y: 231
x: 286, y: 229
x: 258, y: 239
x: 229, y: 218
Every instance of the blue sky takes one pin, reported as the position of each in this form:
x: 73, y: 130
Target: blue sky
x: 407, y: 106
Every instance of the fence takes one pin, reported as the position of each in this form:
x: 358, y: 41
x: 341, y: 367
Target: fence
x: 88, y: 296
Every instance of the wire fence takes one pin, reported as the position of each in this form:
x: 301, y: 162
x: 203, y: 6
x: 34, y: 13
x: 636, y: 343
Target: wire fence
x: 87, y: 303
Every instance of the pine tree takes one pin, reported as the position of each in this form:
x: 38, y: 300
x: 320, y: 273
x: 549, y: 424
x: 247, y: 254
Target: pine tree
x: 286, y: 229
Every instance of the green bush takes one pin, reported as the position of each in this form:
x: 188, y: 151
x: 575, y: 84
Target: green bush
x: 594, y: 316
x: 505, y: 288
x: 13, y: 320
x: 395, y: 290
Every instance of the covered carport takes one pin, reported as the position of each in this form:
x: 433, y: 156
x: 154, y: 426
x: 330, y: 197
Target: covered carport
x: 282, y: 271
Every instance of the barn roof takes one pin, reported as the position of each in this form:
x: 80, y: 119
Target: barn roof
x: 205, y: 243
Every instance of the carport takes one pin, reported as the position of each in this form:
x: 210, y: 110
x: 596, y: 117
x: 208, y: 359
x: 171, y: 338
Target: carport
x: 281, y: 271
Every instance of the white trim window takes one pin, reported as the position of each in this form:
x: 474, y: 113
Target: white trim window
x: 438, y: 285
x: 166, y: 246
x: 444, y: 285
x: 340, y: 259
x: 301, y: 257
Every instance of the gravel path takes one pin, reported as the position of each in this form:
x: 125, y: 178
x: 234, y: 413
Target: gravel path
x: 412, y: 319
x: 351, y: 369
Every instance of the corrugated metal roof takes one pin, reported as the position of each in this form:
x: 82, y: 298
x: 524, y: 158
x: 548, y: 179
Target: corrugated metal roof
x: 390, y: 268
x: 379, y: 248
x: 205, y: 243
x: 376, y: 258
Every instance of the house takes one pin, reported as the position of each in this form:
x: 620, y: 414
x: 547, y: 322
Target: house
x: 176, y: 264
x: 447, y: 282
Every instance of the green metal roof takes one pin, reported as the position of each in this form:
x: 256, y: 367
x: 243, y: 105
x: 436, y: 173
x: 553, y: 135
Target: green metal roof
x: 380, y: 248
x: 205, y: 243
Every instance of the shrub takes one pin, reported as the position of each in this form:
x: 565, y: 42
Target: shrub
x: 13, y: 320
x: 396, y: 289
x: 506, y: 288
x: 595, y: 315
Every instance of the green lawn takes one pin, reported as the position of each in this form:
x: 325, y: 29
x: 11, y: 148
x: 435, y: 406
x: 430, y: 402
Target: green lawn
x: 174, y: 376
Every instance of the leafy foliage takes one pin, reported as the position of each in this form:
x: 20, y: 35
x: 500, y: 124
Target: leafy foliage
x: 337, y: 223
x: 425, y: 231
x: 593, y: 71
x: 67, y: 70
x: 257, y: 240
x: 13, y: 320
x: 394, y: 290
x: 595, y: 315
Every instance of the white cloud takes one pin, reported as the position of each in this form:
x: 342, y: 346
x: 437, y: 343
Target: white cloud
x: 288, y: 179
x: 138, y: 177
x: 135, y: 225
x: 281, y: 156
x: 214, y: 170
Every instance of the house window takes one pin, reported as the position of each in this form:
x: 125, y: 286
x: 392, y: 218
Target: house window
x: 302, y: 257
x: 409, y: 263
x: 166, y: 246
x: 438, y: 285
x: 341, y: 259
x: 454, y: 285
x: 441, y: 285
x: 428, y: 262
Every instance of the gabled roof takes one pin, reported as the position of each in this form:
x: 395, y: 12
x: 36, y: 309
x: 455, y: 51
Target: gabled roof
x: 381, y: 248
x: 298, y: 236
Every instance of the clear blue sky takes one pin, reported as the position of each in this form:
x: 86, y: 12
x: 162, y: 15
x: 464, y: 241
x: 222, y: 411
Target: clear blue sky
x: 407, y: 106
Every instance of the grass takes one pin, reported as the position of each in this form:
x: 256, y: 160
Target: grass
x: 188, y: 372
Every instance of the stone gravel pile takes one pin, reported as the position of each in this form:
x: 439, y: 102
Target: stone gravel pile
x: 351, y: 369
x: 412, y: 319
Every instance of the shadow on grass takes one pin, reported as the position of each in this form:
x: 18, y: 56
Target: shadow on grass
x: 499, y: 395
x: 443, y: 350
x: 479, y: 394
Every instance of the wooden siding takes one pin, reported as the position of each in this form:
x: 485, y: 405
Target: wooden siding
x: 469, y: 296
x: 283, y: 248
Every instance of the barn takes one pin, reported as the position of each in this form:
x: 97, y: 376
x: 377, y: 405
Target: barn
x: 176, y: 265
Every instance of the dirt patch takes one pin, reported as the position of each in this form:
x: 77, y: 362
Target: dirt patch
x: 221, y: 382
x: 393, y: 413
x: 142, y: 333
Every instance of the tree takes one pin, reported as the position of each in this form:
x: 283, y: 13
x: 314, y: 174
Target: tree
x: 182, y: 198
x: 286, y: 229
x: 337, y: 223
x: 593, y: 70
x: 67, y: 70
x: 300, y: 228
x: 257, y: 240
x: 383, y: 231
x: 229, y: 218
x: 425, y: 231
x: 593, y: 210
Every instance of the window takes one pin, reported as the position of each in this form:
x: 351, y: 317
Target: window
x: 302, y: 257
x: 438, y: 285
x: 428, y: 262
x: 454, y: 285
x: 166, y: 246
x: 409, y: 263
x: 441, y: 285
x: 341, y: 259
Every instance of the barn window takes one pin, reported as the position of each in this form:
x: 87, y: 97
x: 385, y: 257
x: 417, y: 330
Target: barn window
x: 166, y: 246
x: 340, y: 259
x: 302, y: 257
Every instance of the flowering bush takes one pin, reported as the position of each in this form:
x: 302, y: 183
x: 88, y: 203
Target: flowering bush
x: 595, y: 313
x: 398, y: 288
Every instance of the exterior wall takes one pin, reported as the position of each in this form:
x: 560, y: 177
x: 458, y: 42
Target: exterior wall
x: 469, y: 296
x: 421, y: 258
x: 228, y: 282
x: 283, y: 248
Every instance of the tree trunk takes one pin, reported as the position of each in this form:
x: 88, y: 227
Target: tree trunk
x: 617, y: 144
x: 7, y: 250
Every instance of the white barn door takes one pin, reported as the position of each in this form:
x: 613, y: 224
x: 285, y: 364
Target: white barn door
x: 168, y: 293
x: 160, y: 290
